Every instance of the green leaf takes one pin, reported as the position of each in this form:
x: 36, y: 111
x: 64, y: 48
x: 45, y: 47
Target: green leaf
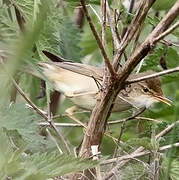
x: 29, y: 9
x: 153, y: 20
x: 19, y: 118
x: 50, y: 35
x: 151, y: 62
x: 20, y: 166
x: 46, y: 165
x: 8, y: 26
x: 174, y: 169
x: 135, y: 170
x: 172, y: 60
x: 163, y: 4
x: 144, y: 141
x: 70, y: 38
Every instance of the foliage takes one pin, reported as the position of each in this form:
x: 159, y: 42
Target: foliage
x: 19, y: 165
x: 23, y: 126
x: 27, y: 151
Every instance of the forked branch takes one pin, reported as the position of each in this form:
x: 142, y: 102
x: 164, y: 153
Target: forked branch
x: 98, y: 40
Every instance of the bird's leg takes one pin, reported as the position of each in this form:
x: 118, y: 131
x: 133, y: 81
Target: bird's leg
x: 79, y: 93
x: 72, y: 94
x: 98, y: 84
x: 139, y: 123
x: 70, y: 111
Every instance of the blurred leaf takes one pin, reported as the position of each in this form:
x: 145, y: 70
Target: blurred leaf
x: 153, y: 20
x: 163, y: 4
x: 29, y: 9
x: 70, y: 38
x: 21, y: 166
x: 8, y: 26
x: 172, y: 58
x: 20, y: 119
x: 174, y: 169
x: 46, y: 165
x: 151, y: 62
x: 135, y: 170
x: 144, y: 141
x: 50, y: 39
x: 173, y: 77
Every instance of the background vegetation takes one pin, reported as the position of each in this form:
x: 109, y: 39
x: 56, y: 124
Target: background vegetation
x: 30, y: 150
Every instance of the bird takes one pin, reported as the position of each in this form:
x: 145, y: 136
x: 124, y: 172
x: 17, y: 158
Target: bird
x: 80, y: 83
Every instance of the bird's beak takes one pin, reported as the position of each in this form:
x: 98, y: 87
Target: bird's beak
x: 163, y: 99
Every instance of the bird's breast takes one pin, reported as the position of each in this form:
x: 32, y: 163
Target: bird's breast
x: 85, y: 101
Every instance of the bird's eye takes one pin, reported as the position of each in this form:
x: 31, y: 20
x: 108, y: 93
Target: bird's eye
x: 145, y: 89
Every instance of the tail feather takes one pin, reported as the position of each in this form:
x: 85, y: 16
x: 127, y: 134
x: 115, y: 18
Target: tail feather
x: 55, y: 58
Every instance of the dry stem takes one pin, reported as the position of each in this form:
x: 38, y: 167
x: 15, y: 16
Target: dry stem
x: 176, y: 69
x: 103, y: 52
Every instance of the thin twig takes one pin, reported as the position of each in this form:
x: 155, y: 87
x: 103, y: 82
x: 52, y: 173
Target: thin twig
x: 103, y: 33
x: 50, y: 120
x: 112, y: 27
x: 97, y: 15
x: 108, y: 123
x: 103, y: 52
x: 40, y: 112
x: 148, y: 119
x: 60, y: 135
x: 137, y: 20
x: 165, y: 33
x: 156, y: 166
x: 176, y: 69
x: 60, y: 124
x: 123, y: 127
x: 28, y: 100
x: 139, y: 154
x: 166, y: 130
x: 54, y: 140
x: 169, y: 43
x: 140, y: 151
x: 140, y: 66
x: 66, y: 115
x: 119, y: 138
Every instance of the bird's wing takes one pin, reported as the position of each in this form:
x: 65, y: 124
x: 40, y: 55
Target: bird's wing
x: 84, y: 69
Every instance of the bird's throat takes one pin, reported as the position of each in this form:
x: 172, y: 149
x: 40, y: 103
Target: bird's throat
x: 143, y: 101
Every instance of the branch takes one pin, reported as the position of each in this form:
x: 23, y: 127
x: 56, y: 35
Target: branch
x: 153, y: 75
x: 139, y: 18
x: 169, y: 43
x: 98, y: 120
x: 164, y: 24
x: 103, y: 52
x: 112, y: 27
x: 165, y: 33
x: 123, y: 127
x: 108, y: 123
x: 148, y: 44
x: 166, y: 130
x: 131, y: 156
x: 139, y: 152
x: 40, y: 112
x: 103, y: 33
x: 21, y: 92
